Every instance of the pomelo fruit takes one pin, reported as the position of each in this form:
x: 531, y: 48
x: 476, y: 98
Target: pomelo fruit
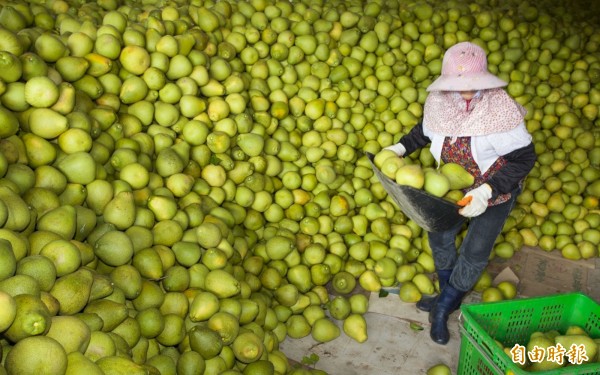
x: 436, y: 183
x: 355, y: 326
x: 411, y: 175
x: 37, y: 355
x: 458, y: 177
x: 324, y: 330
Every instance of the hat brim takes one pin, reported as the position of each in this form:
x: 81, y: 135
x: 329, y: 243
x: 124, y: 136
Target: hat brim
x: 467, y: 82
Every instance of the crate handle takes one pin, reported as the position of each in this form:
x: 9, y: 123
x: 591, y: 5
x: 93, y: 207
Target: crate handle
x: 471, y: 338
x: 486, y: 352
x: 485, y: 346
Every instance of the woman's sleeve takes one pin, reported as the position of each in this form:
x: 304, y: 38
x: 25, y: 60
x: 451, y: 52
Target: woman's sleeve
x: 415, y: 139
x: 518, y: 165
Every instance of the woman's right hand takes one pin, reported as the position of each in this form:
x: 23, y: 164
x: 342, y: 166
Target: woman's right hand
x: 398, y: 148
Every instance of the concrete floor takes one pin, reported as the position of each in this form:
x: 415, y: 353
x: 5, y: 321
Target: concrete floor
x: 393, y: 347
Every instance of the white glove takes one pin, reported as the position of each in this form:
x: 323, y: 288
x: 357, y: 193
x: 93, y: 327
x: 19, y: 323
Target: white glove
x: 398, y: 148
x: 479, y: 201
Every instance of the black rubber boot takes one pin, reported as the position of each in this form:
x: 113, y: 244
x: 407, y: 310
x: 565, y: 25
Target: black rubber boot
x: 427, y: 303
x: 448, y: 301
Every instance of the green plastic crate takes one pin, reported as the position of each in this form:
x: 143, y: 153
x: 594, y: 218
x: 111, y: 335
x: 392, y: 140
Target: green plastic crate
x: 512, y: 322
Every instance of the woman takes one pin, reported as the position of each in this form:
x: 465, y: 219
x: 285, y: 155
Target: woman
x: 469, y: 119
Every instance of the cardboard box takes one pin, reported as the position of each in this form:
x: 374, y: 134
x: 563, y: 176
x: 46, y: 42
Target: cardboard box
x: 542, y: 273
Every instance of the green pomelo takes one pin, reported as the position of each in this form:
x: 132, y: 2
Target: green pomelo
x: 411, y: 175
x: 458, y: 177
x: 436, y: 183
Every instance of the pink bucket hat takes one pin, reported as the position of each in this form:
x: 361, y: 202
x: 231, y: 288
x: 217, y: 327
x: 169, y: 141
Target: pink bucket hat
x: 464, y: 68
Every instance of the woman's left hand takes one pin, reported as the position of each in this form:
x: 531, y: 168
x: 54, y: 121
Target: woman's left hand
x: 479, y: 201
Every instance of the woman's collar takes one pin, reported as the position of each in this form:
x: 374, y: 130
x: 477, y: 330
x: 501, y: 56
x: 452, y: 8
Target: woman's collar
x: 456, y: 94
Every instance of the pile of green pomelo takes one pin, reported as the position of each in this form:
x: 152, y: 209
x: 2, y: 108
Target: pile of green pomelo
x: 184, y: 184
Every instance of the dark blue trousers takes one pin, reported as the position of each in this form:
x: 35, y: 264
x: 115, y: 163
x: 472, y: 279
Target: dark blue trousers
x: 469, y: 261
